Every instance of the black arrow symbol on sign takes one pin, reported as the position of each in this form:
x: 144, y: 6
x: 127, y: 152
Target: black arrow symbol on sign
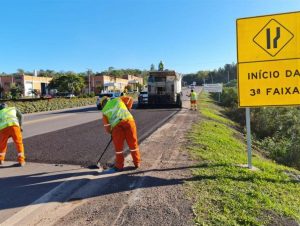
x: 274, y: 40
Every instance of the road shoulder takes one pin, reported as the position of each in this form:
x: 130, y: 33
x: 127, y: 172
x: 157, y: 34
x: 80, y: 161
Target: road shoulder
x: 152, y: 195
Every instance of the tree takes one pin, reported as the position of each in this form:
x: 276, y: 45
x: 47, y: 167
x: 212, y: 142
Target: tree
x: 69, y: 82
x: 202, y: 75
x: 152, y: 67
x: 20, y: 71
x: 216, y: 76
x: 161, y: 66
x: 46, y: 73
x: 15, y: 91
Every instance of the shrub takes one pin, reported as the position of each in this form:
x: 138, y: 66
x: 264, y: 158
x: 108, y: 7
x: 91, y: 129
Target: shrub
x: 51, y: 104
x: 229, y: 97
x: 277, y: 129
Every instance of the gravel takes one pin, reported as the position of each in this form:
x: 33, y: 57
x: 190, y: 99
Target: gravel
x: 152, y: 195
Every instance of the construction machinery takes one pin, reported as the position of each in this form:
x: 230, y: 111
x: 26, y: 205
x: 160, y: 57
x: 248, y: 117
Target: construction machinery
x: 164, y: 89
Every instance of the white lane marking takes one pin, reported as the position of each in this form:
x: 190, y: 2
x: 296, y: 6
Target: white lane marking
x: 47, y: 119
x: 56, y: 196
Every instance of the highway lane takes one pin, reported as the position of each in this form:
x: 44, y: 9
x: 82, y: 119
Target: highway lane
x: 38, y: 185
x: 77, y: 136
x: 45, y: 122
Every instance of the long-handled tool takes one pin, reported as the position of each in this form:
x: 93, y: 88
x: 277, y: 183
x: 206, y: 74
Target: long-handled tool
x: 98, y: 165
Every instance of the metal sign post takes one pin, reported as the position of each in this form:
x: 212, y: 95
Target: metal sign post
x: 268, y: 59
x: 248, y: 138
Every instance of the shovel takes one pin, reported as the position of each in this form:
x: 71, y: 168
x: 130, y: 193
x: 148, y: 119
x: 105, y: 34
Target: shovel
x: 98, y: 164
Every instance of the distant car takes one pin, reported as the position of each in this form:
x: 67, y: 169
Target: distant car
x: 111, y: 95
x: 143, y: 98
x: 65, y: 95
x: 70, y: 95
x: 191, y: 86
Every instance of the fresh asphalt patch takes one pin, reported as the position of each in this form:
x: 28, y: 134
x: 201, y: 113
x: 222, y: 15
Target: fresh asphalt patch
x: 83, y: 144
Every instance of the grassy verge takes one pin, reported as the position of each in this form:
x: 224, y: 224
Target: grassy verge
x: 227, y: 194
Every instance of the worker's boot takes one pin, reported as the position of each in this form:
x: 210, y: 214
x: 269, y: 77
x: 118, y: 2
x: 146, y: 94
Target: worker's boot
x: 137, y: 165
x: 1, y: 162
x: 112, y: 170
x: 21, y: 164
x: 117, y: 169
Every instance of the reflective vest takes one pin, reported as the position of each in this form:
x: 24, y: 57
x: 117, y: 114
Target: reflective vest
x: 115, y: 111
x: 193, y: 96
x: 8, y: 117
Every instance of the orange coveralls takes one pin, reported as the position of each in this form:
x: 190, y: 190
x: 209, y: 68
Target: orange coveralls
x: 124, y: 130
x: 14, y: 132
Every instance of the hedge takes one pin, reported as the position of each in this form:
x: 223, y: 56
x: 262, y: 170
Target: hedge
x: 51, y: 104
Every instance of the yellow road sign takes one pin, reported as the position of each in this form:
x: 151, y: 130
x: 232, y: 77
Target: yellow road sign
x: 269, y: 60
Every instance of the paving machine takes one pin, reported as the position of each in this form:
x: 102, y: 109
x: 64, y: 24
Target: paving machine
x: 164, y: 89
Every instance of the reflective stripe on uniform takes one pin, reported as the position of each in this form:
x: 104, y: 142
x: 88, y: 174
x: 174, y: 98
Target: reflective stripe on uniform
x: 119, y: 152
x: 107, y: 125
x: 134, y: 150
x: 2, y: 154
x: 21, y: 154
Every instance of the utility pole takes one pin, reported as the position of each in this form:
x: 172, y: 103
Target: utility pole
x: 88, y: 72
x: 227, y: 76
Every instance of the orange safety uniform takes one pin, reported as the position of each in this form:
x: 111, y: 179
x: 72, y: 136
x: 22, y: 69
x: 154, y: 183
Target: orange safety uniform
x: 10, y: 127
x: 120, y: 123
x: 193, y: 99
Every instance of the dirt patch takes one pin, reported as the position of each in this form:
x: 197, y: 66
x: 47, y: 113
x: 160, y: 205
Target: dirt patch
x: 152, y: 195
x: 274, y: 219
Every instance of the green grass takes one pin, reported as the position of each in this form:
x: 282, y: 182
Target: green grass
x: 227, y: 194
x: 212, y: 111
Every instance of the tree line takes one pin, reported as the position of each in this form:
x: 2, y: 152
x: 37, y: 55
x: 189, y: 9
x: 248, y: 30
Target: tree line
x: 221, y: 75
x: 66, y: 82
x: 52, y: 73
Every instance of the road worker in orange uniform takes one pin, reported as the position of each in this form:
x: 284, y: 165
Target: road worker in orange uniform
x: 10, y: 126
x: 193, y: 99
x: 120, y: 123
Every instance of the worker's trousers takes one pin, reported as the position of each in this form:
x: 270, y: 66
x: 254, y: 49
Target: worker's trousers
x: 126, y: 130
x: 193, y: 105
x: 15, y: 133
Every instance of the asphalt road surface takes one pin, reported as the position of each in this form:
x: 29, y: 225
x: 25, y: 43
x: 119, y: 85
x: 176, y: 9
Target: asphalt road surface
x: 77, y: 136
x: 41, y: 193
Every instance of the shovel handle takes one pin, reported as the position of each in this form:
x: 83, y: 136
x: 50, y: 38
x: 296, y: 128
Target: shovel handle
x: 104, y: 150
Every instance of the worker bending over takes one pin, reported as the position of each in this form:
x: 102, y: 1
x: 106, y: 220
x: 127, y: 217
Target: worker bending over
x: 10, y: 126
x: 193, y: 99
x: 118, y: 121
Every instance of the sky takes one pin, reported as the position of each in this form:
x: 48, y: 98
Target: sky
x: 77, y: 35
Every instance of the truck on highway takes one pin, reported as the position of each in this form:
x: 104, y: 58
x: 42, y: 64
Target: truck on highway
x: 164, y: 89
